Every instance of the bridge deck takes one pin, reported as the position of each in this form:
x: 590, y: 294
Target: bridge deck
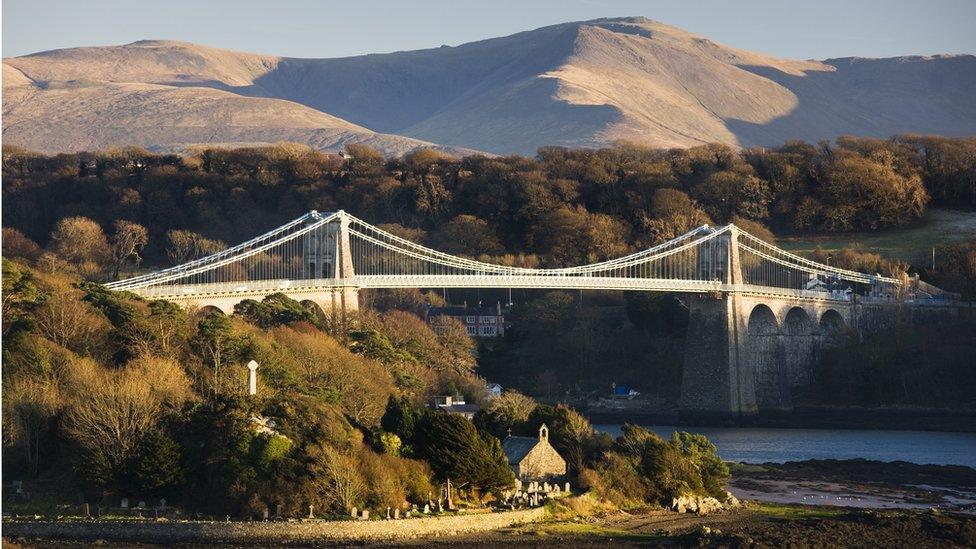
x: 260, y: 288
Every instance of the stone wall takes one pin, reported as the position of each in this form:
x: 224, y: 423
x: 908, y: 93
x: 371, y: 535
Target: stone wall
x: 303, y: 531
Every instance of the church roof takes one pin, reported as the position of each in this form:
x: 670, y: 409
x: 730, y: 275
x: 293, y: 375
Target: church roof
x: 516, y: 448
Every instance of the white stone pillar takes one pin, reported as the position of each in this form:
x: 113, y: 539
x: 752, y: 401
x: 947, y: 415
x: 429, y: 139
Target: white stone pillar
x: 252, y: 378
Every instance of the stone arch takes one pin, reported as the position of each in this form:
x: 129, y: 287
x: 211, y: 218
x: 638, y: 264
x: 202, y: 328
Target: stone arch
x: 316, y: 309
x: 800, y: 343
x: 764, y: 350
x: 206, y: 310
x: 833, y: 329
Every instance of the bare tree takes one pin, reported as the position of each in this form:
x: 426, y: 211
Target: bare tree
x: 109, y: 410
x: 338, y: 477
x: 127, y: 242
x: 28, y: 406
x: 80, y: 241
x: 184, y: 246
x: 180, y: 247
x: 68, y: 321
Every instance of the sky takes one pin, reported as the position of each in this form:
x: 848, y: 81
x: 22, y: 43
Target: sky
x: 809, y: 29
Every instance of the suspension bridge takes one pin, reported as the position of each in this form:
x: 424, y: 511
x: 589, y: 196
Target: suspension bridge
x: 759, y: 315
x: 337, y: 251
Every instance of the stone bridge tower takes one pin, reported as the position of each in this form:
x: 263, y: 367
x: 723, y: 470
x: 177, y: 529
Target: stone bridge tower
x: 326, y: 254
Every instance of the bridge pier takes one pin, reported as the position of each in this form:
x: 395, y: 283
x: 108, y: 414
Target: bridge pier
x: 746, y: 353
x: 715, y: 381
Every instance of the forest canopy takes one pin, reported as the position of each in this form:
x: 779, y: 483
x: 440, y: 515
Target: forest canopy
x: 563, y: 206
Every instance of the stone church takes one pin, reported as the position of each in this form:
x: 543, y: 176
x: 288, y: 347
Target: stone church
x: 534, y: 458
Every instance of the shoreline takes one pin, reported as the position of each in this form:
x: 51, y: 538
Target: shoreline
x: 816, y: 502
x: 807, y: 417
x: 294, y: 531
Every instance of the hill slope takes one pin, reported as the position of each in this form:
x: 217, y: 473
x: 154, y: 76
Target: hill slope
x: 574, y: 84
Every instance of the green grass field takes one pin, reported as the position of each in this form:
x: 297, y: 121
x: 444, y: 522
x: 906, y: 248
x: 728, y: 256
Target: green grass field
x: 913, y: 244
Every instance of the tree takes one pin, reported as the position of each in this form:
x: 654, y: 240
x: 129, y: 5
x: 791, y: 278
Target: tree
x: 127, y: 243
x: 702, y: 454
x: 110, y: 410
x: 274, y: 310
x: 68, y: 321
x: 21, y: 297
x: 401, y: 418
x: 504, y: 413
x: 183, y: 246
x: 29, y: 405
x: 80, y: 241
x: 455, y: 450
x: 466, y: 235
x: 16, y: 245
x: 155, y: 466
x: 337, y: 477
x: 215, y: 337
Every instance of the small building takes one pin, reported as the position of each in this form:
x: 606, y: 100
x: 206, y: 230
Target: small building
x: 494, y: 390
x: 479, y: 321
x: 454, y: 405
x: 534, y: 458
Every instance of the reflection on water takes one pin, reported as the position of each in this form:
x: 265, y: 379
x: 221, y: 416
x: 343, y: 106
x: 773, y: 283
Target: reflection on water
x: 753, y: 445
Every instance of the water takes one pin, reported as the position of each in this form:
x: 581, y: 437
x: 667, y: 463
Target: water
x: 756, y: 445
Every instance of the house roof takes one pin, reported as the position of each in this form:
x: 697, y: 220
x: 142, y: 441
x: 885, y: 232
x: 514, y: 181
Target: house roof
x: 516, y: 448
x: 459, y: 408
x: 463, y: 311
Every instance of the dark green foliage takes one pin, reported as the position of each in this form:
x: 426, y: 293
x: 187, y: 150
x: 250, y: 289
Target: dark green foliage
x: 115, y: 306
x: 401, y: 418
x: 702, y: 455
x: 216, y: 440
x: 921, y: 365
x: 644, y: 467
x: 456, y: 450
x: 156, y: 468
x: 21, y: 297
x: 274, y: 310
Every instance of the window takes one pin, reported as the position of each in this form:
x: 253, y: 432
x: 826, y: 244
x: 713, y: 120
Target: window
x: 472, y: 330
x: 469, y: 319
x: 487, y: 320
x: 488, y: 330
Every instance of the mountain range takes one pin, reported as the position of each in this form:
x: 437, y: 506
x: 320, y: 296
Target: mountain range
x: 582, y: 84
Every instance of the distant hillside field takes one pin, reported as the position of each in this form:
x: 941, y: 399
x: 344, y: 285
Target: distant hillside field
x: 937, y: 227
x: 580, y: 84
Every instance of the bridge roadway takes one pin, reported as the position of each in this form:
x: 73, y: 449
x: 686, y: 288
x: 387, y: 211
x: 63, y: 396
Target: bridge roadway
x: 300, y: 289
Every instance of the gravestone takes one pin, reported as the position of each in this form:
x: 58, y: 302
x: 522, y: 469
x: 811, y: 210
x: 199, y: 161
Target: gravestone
x: 87, y: 511
x: 162, y: 503
x: 365, y: 514
x: 567, y: 487
x: 426, y: 508
x: 387, y: 513
x: 142, y: 505
x: 396, y: 514
x: 265, y: 513
x: 311, y: 509
x: 125, y: 503
x: 355, y: 513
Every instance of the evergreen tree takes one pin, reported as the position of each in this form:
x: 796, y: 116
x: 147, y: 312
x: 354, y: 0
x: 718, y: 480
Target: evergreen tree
x: 456, y: 450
